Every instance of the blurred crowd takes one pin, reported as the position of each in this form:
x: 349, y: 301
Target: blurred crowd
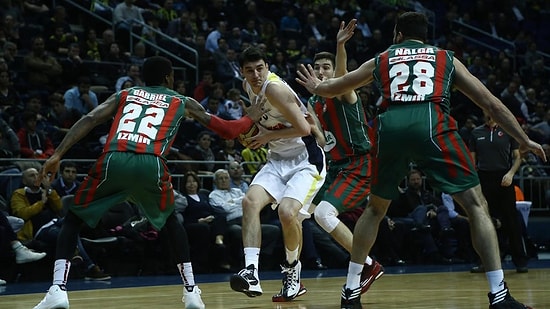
x: 58, y: 63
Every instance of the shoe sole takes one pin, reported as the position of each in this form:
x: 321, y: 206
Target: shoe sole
x: 238, y: 284
x: 279, y: 298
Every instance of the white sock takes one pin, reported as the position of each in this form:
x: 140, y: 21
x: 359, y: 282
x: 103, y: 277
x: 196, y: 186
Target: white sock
x: 368, y: 260
x: 496, y: 280
x: 291, y: 256
x: 186, y: 273
x: 251, y: 256
x: 61, y: 271
x: 354, y: 275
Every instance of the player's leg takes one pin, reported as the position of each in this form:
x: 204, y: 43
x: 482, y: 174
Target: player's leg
x: 247, y: 280
x: 178, y: 237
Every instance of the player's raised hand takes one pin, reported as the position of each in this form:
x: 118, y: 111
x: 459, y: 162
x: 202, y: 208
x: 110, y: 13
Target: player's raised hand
x: 307, y: 78
x: 346, y: 31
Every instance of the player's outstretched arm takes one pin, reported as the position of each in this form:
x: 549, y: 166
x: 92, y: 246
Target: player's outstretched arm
x: 79, y: 130
x: 335, y: 86
x: 227, y: 129
x: 474, y: 89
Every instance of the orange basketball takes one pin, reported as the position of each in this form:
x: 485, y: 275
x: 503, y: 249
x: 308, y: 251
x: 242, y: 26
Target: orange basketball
x: 252, y: 131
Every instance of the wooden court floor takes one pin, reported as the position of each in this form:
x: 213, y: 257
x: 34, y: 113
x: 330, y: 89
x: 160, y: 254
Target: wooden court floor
x: 447, y: 290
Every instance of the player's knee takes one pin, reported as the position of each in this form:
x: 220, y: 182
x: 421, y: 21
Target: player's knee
x: 251, y: 205
x: 326, y: 216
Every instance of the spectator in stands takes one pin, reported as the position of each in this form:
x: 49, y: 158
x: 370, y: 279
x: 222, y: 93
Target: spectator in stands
x: 34, y: 143
x: 233, y: 104
x: 59, y: 19
x: 43, y: 70
x: 228, y: 151
x: 466, y: 130
x: 542, y: 129
x: 213, y: 37
x: 10, y: 102
x: 58, y: 42
x: 127, y: 17
x: 11, y: 28
x: 151, y: 32
x: 73, y: 66
x: 289, y: 25
x: 206, y: 59
x: 203, y: 151
x: 66, y: 183
x: 90, y: 47
x: 180, y: 87
x: 9, y: 242
x: 41, y: 208
x: 234, y: 39
x: 60, y: 117
x: 417, y: 208
x: 228, y: 69
x: 254, y: 159
x: 314, y: 29
x: 282, y: 67
x: 139, y: 54
x: 166, y: 14
x: 133, y: 74
x: 250, y: 33
x: 229, y: 201
x: 236, y: 176
x: 181, y: 29
x: 80, y: 97
x: 9, y: 142
x: 202, y: 90
x: 107, y: 38
x: 510, y: 98
x: 36, y: 12
x: 205, y: 226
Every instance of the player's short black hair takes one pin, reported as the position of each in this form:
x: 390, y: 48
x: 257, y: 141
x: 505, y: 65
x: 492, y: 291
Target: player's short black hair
x: 155, y: 70
x: 412, y: 25
x: 325, y: 55
x: 251, y: 54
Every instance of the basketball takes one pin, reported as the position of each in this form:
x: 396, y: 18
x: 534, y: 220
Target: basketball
x: 252, y: 131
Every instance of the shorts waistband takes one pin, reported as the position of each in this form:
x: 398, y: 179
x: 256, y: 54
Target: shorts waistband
x: 278, y: 157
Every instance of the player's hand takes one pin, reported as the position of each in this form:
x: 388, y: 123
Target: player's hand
x: 307, y: 78
x: 346, y: 31
x: 49, y: 169
x: 259, y: 140
x: 536, y: 148
x: 257, y: 108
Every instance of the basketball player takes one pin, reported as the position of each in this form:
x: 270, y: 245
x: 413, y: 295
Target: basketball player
x: 344, y: 121
x: 294, y: 172
x: 415, y: 80
x: 146, y: 120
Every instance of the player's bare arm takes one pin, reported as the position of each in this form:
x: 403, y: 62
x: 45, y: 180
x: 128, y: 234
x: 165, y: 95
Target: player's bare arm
x: 227, y: 129
x: 284, y: 100
x: 474, y: 89
x: 335, y: 86
x: 79, y: 130
x: 316, y: 128
x: 344, y: 34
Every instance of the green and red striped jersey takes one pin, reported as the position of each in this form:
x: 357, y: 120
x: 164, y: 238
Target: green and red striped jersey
x: 345, y: 126
x: 146, y: 121
x: 413, y: 72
